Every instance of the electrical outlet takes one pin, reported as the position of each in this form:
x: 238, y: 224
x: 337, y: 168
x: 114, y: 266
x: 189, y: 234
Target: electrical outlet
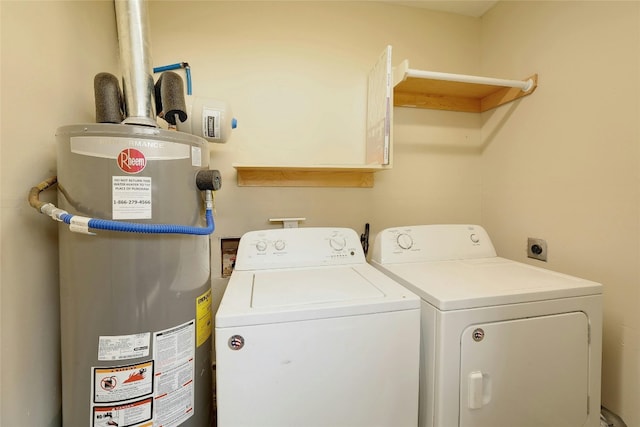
x: 537, y: 249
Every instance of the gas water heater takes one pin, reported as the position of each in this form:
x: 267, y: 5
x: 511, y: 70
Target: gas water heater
x: 135, y: 206
x: 135, y: 306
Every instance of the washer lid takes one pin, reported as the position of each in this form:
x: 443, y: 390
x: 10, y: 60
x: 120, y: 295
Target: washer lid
x: 484, y: 282
x: 259, y: 297
x: 300, y: 287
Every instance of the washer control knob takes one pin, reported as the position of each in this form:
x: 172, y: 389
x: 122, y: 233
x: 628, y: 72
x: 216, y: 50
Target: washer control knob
x: 405, y: 241
x: 261, y: 246
x: 474, y: 238
x: 279, y: 245
x: 337, y: 243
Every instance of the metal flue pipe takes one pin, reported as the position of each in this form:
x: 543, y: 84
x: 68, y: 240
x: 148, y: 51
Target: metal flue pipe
x: 135, y: 61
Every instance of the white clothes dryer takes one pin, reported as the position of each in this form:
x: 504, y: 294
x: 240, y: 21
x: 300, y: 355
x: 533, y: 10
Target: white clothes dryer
x: 308, y: 334
x: 504, y: 344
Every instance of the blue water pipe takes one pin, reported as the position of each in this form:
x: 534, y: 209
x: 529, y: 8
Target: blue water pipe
x: 177, y: 66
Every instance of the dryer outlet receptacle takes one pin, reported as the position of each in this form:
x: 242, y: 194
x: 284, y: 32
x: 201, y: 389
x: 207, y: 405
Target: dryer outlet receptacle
x: 537, y: 249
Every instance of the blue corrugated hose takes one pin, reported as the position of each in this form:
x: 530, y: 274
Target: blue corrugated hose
x: 132, y: 227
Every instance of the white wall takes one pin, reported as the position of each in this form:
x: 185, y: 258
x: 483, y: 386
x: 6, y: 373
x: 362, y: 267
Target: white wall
x: 563, y: 163
x: 50, y: 53
x: 295, y: 76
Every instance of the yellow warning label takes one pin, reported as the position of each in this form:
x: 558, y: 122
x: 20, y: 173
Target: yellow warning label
x: 203, y: 318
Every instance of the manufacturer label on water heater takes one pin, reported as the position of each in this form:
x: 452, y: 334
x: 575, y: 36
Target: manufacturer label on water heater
x: 122, y: 347
x: 131, y: 160
x: 128, y: 152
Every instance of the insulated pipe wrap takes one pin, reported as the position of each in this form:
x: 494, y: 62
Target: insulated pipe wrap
x: 34, y: 193
x: 209, y: 180
x: 135, y: 61
x: 169, y: 90
x: 108, y: 98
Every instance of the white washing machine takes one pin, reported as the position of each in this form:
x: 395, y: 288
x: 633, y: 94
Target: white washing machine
x: 309, y: 334
x: 504, y: 344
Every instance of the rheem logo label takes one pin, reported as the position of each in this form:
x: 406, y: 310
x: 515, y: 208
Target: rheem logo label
x: 131, y: 160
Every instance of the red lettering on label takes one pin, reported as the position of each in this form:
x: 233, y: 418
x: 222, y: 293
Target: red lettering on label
x: 131, y: 160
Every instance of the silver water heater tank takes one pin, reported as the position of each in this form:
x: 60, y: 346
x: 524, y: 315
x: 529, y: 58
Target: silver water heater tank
x: 135, y: 306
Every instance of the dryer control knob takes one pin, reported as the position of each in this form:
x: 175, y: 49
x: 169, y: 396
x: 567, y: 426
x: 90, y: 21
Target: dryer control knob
x: 261, y: 246
x: 474, y: 238
x: 405, y: 241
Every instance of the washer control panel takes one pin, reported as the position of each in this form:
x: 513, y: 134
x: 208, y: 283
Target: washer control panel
x: 431, y: 243
x: 298, y: 247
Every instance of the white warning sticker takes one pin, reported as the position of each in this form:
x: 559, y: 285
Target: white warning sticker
x: 131, y: 197
x: 122, y: 347
x: 173, y: 351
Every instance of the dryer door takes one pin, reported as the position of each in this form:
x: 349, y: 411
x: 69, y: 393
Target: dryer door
x: 529, y: 372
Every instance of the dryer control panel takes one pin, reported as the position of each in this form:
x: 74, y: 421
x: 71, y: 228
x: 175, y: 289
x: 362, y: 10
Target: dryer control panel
x: 298, y: 247
x: 440, y: 242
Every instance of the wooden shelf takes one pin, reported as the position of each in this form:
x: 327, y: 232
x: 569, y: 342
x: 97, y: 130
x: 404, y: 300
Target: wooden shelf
x: 306, y: 176
x: 454, y: 92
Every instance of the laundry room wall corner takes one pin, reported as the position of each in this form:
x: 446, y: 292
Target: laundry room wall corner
x: 564, y: 163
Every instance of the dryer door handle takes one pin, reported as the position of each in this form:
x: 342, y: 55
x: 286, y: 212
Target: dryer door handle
x: 479, y: 391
